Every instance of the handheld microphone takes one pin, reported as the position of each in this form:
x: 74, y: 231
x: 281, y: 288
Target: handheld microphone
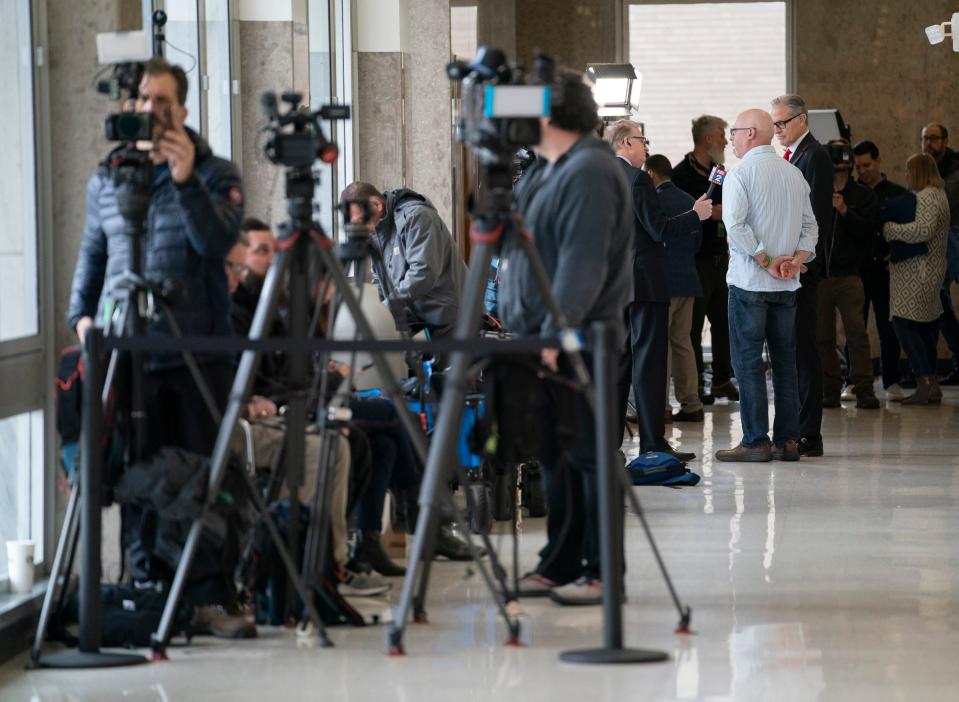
x: 716, y: 177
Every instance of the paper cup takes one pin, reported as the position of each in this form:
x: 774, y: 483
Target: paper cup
x: 20, y: 565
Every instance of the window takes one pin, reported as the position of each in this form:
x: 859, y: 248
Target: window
x: 21, y: 481
x: 463, y: 41
x: 217, y: 83
x: 19, y: 291
x: 331, y: 81
x: 183, y: 48
x: 707, y: 58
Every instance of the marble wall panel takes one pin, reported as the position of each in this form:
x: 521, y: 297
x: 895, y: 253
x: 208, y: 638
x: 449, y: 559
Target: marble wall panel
x: 379, y: 119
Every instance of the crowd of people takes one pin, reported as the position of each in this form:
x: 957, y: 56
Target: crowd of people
x: 625, y: 238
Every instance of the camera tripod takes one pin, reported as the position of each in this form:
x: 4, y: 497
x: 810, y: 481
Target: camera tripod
x: 490, y: 231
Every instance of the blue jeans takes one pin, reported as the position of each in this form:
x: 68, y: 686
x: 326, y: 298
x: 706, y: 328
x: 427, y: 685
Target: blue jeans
x: 919, y: 341
x: 757, y: 319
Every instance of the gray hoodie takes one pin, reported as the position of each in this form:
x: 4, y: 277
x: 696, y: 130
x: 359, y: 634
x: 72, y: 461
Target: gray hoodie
x: 579, y: 213
x: 421, y: 258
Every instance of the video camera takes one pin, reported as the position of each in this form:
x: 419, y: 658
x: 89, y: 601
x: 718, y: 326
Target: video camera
x: 841, y: 154
x: 306, y: 143
x: 500, y: 109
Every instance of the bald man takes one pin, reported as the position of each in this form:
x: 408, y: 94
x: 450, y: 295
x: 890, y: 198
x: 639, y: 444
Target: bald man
x: 772, y: 232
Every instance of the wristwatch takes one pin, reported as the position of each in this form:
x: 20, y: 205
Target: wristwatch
x: 766, y: 261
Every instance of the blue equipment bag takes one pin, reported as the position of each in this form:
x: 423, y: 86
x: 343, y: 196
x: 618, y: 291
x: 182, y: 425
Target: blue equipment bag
x: 658, y: 468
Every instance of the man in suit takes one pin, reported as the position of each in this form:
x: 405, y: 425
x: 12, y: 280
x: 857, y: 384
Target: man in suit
x: 644, y: 359
x: 791, y: 124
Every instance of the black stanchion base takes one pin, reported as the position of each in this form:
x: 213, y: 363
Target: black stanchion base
x: 613, y: 655
x: 79, y: 659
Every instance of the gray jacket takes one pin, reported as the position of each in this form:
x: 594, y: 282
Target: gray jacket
x: 421, y: 258
x: 579, y: 213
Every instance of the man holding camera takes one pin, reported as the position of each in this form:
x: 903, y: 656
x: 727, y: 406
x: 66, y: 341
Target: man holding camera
x: 425, y: 269
x: 791, y: 124
x: 196, y: 206
x: 844, y: 248
x: 575, y: 203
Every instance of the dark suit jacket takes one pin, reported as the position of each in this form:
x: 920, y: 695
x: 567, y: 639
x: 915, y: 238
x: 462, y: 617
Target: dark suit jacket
x: 652, y: 228
x: 813, y: 160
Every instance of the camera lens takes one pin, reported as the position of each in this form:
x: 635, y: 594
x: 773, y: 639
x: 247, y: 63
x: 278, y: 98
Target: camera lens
x: 128, y: 126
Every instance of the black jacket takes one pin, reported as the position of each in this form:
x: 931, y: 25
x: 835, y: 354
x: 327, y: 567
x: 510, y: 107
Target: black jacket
x: 577, y: 211
x: 651, y: 228
x: 848, y: 243
x: 813, y: 160
x: 690, y: 176
x: 876, y: 260
x: 189, y: 230
x: 949, y: 170
x: 682, y: 277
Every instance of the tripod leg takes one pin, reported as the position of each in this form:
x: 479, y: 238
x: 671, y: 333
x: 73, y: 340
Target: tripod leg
x: 443, y: 452
x: 242, y: 384
x: 67, y: 543
x: 314, y: 559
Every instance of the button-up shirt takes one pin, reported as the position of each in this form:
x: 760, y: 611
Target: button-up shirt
x: 766, y: 209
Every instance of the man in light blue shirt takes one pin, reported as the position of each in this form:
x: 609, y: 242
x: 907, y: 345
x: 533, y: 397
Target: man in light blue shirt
x: 772, y: 232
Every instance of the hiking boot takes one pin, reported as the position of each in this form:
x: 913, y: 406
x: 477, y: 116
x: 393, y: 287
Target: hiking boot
x: 371, y: 555
x: 694, y: 416
x: 361, y: 584
x: 534, y: 585
x: 746, y: 454
x: 789, y: 451
x: 810, y: 448
x: 584, y: 591
x: 727, y: 390
x: 926, y: 393
x: 217, y: 621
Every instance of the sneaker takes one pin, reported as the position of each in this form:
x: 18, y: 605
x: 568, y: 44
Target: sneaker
x: 361, y: 584
x: 217, y: 621
x: 789, y: 451
x: 584, y: 591
x: 848, y: 393
x: 894, y: 393
x: 534, y: 585
x: 746, y: 454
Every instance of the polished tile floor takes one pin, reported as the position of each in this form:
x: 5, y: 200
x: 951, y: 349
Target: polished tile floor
x: 834, y: 579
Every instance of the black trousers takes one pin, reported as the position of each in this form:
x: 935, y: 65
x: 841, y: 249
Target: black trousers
x: 808, y: 363
x: 177, y: 416
x: 875, y: 283
x: 644, y: 363
x: 714, y: 304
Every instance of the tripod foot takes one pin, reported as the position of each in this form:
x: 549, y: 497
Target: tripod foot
x: 395, y: 651
x: 420, y: 618
x: 514, y: 642
x: 683, y: 626
x: 159, y: 655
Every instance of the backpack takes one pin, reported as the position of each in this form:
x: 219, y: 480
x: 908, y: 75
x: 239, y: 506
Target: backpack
x: 659, y: 468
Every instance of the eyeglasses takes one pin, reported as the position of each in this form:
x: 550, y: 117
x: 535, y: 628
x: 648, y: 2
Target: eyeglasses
x: 782, y: 125
x: 240, y: 269
x: 646, y: 142
x: 732, y: 132
x: 931, y: 137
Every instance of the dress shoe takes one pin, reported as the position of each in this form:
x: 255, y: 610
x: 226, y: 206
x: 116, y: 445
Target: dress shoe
x: 951, y: 379
x: 453, y: 545
x: 370, y: 552
x: 746, y: 454
x: 831, y: 402
x: 704, y: 398
x: 789, y: 451
x: 683, y: 456
x: 694, y: 416
x: 727, y: 390
x: 810, y: 448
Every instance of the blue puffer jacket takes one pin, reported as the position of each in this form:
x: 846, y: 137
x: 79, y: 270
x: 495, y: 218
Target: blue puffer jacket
x: 189, y: 230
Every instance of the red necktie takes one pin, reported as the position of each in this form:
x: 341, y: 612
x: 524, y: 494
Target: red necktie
x: 788, y: 153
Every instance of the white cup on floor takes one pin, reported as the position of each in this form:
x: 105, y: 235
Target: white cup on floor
x: 20, y: 565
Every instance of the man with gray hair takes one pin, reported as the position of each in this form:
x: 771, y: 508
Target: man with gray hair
x: 772, y: 234
x: 692, y: 176
x: 791, y: 124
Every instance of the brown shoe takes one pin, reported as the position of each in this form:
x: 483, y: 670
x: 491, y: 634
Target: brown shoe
x: 745, y: 454
x: 789, y: 451
x: 696, y: 416
x: 727, y: 390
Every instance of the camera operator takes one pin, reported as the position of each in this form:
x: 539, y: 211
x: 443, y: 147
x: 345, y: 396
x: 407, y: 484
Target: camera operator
x: 844, y: 247
x: 426, y: 271
x: 575, y: 202
x: 196, y: 205
x: 645, y: 358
